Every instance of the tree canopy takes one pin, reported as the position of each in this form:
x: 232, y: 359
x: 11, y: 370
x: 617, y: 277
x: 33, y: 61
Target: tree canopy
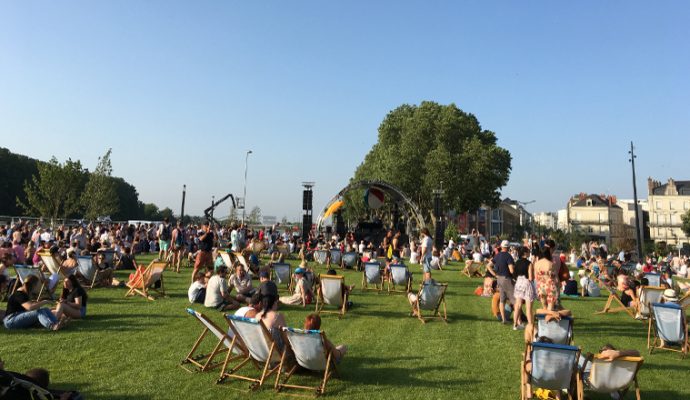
x: 429, y: 146
x: 100, y: 196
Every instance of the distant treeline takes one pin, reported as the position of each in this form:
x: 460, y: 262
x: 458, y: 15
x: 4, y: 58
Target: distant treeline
x: 15, y: 169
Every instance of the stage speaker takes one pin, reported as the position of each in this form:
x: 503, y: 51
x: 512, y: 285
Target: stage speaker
x: 306, y: 200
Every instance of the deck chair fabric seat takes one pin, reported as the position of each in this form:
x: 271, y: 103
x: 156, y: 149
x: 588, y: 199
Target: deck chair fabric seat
x: 349, y: 259
x: 431, y: 296
x: 371, y: 275
x: 258, y: 348
x: 53, y: 265
x: 668, y: 324
x: 614, y: 297
x: 23, y: 272
x: 321, y: 256
x: 653, y: 279
x: 143, y: 282
x: 282, y: 274
x: 283, y: 250
x: 615, y: 376
x: 309, y: 349
x: 205, y: 362
x: 560, y: 332
x: 553, y: 367
x: 331, y: 293
x: 336, y: 256
x: 399, y: 276
x: 88, y: 271
x: 648, y: 294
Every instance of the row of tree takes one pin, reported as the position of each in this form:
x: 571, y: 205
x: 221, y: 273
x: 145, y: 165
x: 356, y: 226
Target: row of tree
x: 66, y: 189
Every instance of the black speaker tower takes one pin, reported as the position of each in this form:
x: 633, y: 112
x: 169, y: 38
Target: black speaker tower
x: 307, y: 207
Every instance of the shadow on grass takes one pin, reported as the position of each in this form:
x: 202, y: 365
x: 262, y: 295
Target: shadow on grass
x: 397, y: 372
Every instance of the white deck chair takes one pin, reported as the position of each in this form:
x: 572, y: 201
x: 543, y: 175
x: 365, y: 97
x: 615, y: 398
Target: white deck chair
x: 331, y: 293
x: 670, y: 328
x: 615, y: 376
x: 311, y: 354
x: 230, y: 258
x: 336, y: 256
x: 349, y: 259
x: 648, y: 294
x: 23, y: 272
x: 87, y: 269
x: 553, y: 367
x: 431, y: 296
x: 53, y: 265
x: 258, y: 348
x: 653, y: 279
x: 371, y: 275
x: 282, y: 274
x: 321, y: 256
x: 205, y: 362
x: 109, y: 256
x: 400, y: 276
x: 560, y: 332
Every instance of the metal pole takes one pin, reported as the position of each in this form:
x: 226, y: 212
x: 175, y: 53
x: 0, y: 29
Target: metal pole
x: 637, y: 218
x: 213, y: 207
x: 244, y: 195
x: 184, y: 191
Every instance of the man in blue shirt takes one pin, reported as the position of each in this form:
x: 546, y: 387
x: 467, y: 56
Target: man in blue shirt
x: 502, y: 267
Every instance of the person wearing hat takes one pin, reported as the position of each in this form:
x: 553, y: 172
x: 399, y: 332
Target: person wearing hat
x: 302, y: 294
x: 502, y: 267
x: 669, y: 296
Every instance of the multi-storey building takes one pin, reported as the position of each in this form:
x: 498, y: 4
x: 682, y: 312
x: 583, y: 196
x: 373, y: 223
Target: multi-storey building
x: 598, y: 217
x: 667, y: 204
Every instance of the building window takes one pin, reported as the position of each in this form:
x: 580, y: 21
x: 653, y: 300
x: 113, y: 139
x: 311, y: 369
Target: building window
x: 686, y: 205
x: 578, y: 217
x: 672, y: 219
x: 658, y: 205
x: 670, y: 205
x: 601, y: 217
x: 589, y: 202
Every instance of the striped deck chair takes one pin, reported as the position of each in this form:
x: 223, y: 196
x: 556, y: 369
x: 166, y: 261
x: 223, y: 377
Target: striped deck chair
x: 349, y: 259
x: 647, y: 295
x: 400, y: 276
x: 669, y: 327
x: 371, y: 275
x: 321, y: 256
x: 53, y: 264
x: 205, y: 362
x: 309, y: 348
x: 552, y: 367
x: 258, y: 348
x: 653, y: 279
x: 23, y: 272
x: 336, y: 256
x: 256, y: 247
x: 331, y: 293
x: 281, y: 273
x: 109, y: 256
x: 230, y: 258
x: 613, y: 296
x: 560, y: 332
x: 431, y: 297
x: 615, y: 376
x: 142, y: 283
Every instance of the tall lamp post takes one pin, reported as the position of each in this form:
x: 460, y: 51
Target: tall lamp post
x: 637, y: 217
x: 244, y: 194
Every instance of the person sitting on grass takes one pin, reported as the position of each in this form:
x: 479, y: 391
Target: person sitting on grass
x: 23, y: 313
x: 39, y: 377
x: 217, y: 292
x: 197, y: 290
x: 242, y: 284
x: 570, y: 286
x: 267, y: 286
x: 313, y: 323
x: 302, y: 294
x: 73, y: 298
x: 104, y: 270
x: 253, y: 308
x: 127, y: 260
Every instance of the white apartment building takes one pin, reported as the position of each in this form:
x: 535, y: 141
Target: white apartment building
x: 598, y: 217
x: 548, y: 220
x: 667, y: 204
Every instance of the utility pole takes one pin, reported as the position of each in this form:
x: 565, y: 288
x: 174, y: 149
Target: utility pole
x: 184, y: 191
x: 637, y: 217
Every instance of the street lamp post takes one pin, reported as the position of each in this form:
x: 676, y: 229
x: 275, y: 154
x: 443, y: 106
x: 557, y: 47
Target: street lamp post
x: 638, y: 236
x: 244, y: 195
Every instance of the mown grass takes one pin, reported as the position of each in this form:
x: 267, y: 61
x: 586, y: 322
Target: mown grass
x: 130, y: 348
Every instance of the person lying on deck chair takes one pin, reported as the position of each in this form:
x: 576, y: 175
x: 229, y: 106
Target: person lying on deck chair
x: 313, y: 322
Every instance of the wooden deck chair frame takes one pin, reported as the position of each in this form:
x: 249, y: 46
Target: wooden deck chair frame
x: 351, y: 257
x: 320, y: 301
x: 575, y: 391
x: 569, y: 320
x: 95, y: 273
x: 274, y: 275
x: 391, y: 281
x: 238, y: 342
x: 52, y: 264
x: 328, y: 371
x: 205, y: 362
x: 613, y: 296
x: 596, y: 358
x: 684, y: 301
x: 656, y: 342
x: 643, y: 310
x: 142, y: 282
x: 25, y: 274
x: 365, y: 280
x: 436, y: 308
x: 476, y: 273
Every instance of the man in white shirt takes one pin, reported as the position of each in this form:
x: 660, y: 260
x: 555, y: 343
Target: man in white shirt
x: 217, y: 293
x: 426, y: 248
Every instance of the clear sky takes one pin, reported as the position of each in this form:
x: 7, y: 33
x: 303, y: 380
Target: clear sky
x: 181, y: 90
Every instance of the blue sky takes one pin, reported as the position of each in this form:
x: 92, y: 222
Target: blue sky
x: 181, y: 90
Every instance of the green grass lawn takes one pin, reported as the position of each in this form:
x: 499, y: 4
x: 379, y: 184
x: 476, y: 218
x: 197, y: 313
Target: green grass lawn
x: 130, y: 348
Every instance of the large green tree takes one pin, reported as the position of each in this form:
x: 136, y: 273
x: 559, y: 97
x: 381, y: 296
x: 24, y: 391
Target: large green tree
x: 55, y: 191
x: 100, y: 197
x: 429, y: 146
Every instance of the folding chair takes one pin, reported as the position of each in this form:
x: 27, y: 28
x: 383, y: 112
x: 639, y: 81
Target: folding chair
x: 670, y: 328
x: 648, y: 294
x: 281, y: 273
x: 653, y: 279
x: 472, y: 268
x: 331, y: 293
x: 257, y: 347
x: 615, y: 376
x: 143, y: 282
x: 553, y: 367
x: 399, y: 275
x: 430, y: 297
x: 560, y: 332
x: 371, y: 275
x: 205, y: 362
x: 23, y: 272
x: 283, y: 250
x: 53, y: 265
x: 613, y: 296
x: 309, y: 348
x: 336, y: 256
x: 321, y: 256
x: 230, y: 258
x: 349, y: 259
x: 109, y: 256
x: 88, y: 270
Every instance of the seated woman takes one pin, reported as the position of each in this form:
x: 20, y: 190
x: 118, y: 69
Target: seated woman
x: 627, y: 287
x: 254, y: 307
x: 73, y: 298
x: 272, y: 319
x: 313, y: 323
x: 302, y: 294
x: 104, y: 270
x: 23, y: 313
x: 127, y: 260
